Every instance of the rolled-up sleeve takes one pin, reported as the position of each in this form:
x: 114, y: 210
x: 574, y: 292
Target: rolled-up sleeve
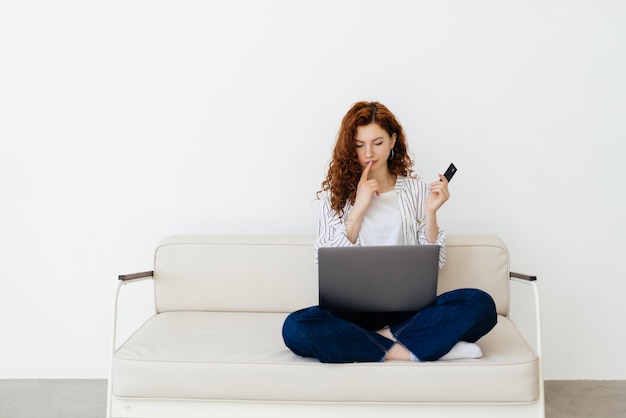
x: 331, y: 230
x: 441, y: 242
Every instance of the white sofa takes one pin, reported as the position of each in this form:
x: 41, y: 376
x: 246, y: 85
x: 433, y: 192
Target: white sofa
x: 214, y: 345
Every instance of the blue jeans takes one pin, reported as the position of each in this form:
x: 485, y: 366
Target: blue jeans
x: 459, y: 315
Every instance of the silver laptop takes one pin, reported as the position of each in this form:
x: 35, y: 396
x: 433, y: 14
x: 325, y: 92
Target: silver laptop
x: 378, y: 279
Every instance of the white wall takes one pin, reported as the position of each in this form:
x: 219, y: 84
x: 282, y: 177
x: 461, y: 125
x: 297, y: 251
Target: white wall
x: 125, y: 121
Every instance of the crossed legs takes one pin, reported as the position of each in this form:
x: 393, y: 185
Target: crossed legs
x: 460, y: 316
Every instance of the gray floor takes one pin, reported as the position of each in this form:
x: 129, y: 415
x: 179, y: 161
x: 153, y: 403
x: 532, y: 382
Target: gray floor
x: 87, y: 398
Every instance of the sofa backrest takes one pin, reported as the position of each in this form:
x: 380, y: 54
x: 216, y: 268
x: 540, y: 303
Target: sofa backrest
x: 478, y: 261
x: 246, y: 273
x: 278, y: 273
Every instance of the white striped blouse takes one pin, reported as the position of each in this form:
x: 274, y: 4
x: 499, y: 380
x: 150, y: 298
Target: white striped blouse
x: 411, y: 192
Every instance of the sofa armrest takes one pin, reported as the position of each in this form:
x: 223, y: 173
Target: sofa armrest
x: 125, y: 279
x: 135, y: 276
x: 526, y: 277
x: 531, y: 281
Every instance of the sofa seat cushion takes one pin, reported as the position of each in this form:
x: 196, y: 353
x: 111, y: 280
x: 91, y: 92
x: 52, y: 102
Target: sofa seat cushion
x: 241, y: 356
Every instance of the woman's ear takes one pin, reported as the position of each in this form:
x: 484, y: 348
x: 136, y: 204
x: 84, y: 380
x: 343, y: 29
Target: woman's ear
x: 393, y: 140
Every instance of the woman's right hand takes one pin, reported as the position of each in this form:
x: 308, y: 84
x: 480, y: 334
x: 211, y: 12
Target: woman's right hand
x: 366, y: 189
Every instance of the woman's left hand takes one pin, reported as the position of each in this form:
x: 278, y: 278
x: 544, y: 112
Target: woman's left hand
x: 438, y: 194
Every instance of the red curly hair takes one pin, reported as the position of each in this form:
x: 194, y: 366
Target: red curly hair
x: 344, y: 171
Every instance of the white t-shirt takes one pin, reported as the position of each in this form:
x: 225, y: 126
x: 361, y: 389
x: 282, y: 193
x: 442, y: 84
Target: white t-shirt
x: 382, y: 224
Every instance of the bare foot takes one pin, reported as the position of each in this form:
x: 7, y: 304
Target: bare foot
x: 398, y: 352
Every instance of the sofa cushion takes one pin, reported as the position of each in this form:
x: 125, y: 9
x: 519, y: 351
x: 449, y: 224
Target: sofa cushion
x: 241, y: 356
x: 229, y: 273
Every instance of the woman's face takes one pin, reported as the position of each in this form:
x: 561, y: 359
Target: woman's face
x: 373, y: 143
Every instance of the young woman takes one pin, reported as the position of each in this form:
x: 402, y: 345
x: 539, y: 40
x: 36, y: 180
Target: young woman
x: 371, y: 197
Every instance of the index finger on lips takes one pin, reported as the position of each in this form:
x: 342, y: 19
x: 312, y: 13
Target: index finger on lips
x: 366, y: 171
